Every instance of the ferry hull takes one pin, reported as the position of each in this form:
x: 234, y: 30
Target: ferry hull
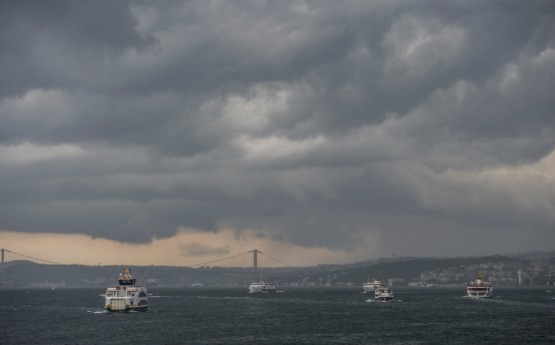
x: 262, y: 287
x: 116, y: 308
x: 479, y: 294
x: 262, y: 290
x: 384, y: 299
x: 119, y: 304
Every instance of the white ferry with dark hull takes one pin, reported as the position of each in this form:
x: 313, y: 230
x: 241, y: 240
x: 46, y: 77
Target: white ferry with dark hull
x: 126, y: 296
x: 479, y: 288
x: 383, y: 294
x: 371, y: 285
x: 261, y: 286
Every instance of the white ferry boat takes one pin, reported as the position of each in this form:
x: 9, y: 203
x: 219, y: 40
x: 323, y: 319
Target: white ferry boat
x: 261, y: 286
x: 479, y: 288
x: 126, y: 296
x: 371, y: 285
x: 383, y: 294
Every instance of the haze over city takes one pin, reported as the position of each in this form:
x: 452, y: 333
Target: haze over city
x: 178, y: 132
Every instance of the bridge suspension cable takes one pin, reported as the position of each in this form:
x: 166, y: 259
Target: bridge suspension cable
x: 226, y: 258
x: 32, y: 258
x: 236, y: 255
x: 281, y: 262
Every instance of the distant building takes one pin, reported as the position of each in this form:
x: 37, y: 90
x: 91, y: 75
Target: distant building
x: 396, y: 282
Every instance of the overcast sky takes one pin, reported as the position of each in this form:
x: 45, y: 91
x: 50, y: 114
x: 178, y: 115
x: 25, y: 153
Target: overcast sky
x: 359, y: 128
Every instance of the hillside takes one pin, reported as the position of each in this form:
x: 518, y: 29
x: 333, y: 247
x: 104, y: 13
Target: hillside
x: 537, y: 269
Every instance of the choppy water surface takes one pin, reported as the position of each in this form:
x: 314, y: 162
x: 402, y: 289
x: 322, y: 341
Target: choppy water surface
x: 303, y: 316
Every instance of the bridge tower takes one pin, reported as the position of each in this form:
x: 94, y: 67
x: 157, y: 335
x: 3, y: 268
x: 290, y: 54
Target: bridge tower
x: 2, y: 269
x: 255, y: 253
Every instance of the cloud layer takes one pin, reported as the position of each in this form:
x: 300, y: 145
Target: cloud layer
x: 427, y: 125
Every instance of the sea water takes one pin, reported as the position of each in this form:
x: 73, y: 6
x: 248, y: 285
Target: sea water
x: 294, y: 316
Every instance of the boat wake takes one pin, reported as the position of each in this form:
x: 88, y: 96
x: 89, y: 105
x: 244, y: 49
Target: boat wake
x: 475, y: 298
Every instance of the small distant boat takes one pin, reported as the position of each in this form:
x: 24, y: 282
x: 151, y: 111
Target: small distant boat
x: 126, y: 296
x: 383, y: 294
x: 371, y: 285
x: 261, y: 286
x: 479, y: 288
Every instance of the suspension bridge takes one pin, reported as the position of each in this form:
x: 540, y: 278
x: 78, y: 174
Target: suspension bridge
x: 254, y: 252
x: 241, y: 267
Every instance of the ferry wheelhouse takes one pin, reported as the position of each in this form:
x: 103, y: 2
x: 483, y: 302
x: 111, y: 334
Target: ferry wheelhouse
x: 479, y: 288
x: 261, y: 286
x: 126, y: 296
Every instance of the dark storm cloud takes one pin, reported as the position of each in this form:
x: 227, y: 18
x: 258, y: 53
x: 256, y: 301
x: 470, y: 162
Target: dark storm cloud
x: 44, y: 43
x: 319, y: 121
